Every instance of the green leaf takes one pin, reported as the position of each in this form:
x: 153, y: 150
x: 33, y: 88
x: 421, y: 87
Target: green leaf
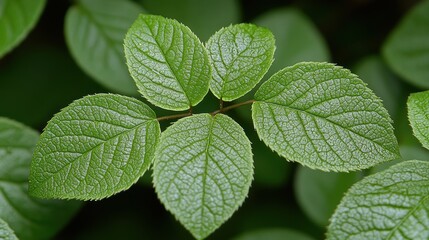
x: 240, y: 54
x: 202, y: 171
x: 168, y: 62
x: 97, y: 146
x: 202, y: 16
x: 17, y: 18
x: 408, y: 152
x: 273, y: 234
x: 392, y: 204
x: 30, y: 218
x: 5, y: 232
x: 407, y: 48
x: 324, y: 117
x: 297, y: 40
x: 418, y: 114
x: 94, y: 31
x: 296, y: 36
x: 327, y: 188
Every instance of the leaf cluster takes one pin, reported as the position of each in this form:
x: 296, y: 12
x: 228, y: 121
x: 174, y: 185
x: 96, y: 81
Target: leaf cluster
x: 318, y: 114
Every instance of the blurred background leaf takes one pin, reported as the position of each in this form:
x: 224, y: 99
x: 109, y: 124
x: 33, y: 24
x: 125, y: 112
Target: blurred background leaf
x: 36, y: 82
x: 203, y: 17
x: 318, y: 193
x: 17, y: 18
x: 407, y: 48
x: 40, y: 77
x: 297, y: 38
x: 273, y: 234
x: 95, y: 31
x: 382, y: 81
x: 29, y: 217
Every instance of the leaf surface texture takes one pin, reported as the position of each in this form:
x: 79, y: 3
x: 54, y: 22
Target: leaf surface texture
x: 97, y: 146
x: 168, y: 62
x: 5, y: 232
x: 392, y: 204
x: 323, y: 117
x: 203, y: 170
x: 30, y: 218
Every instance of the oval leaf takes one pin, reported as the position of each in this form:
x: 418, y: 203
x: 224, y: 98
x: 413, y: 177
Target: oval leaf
x: 168, y: 62
x: 30, y: 218
x: 392, y: 204
x: 17, y: 18
x: 240, y: 54
x: 324, y: 117
x: 5, y: 232
x: 327, y: 188
x: 418, y: 114
x: 202, y: 171
x: 407, y: 48
x: 97, y: 146
x: 94, y: 31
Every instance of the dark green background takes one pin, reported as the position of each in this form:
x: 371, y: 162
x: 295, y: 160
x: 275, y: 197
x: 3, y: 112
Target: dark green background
x: 39, y: 77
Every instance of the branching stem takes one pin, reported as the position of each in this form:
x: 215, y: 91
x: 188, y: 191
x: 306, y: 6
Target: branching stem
x: 225, y: 109
x: 221, y: 110
x: 171, y: 117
